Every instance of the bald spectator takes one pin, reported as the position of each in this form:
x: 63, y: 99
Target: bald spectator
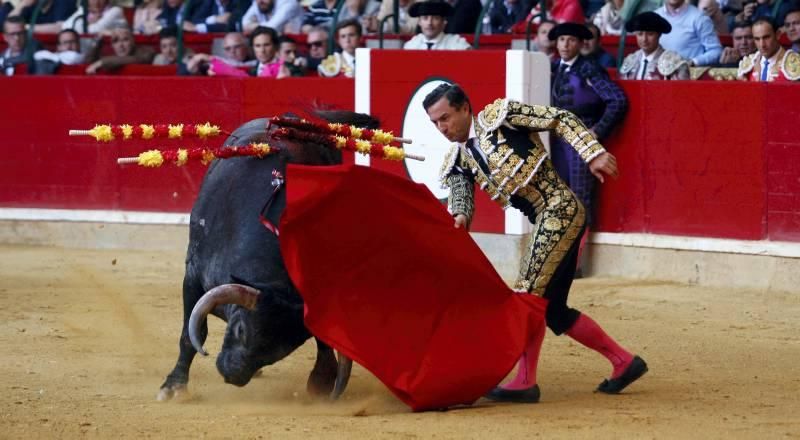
x: 772, y: 63
x: 51, y: 17
x: 100, y: 19
x: 125, y: 52
x: 432, y: 21
x: 792, y: 27
x: 281, y: 15
x: 692, y: 35
x: 237, y: 55
x: 743, y: 45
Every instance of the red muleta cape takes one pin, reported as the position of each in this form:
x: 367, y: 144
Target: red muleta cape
x: 388, y: 281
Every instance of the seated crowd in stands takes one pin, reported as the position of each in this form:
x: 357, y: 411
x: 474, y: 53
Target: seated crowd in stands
x: 255, y: 30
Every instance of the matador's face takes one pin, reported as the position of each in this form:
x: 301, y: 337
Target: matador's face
x: 452, y: 122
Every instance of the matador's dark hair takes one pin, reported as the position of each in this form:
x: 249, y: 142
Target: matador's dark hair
x: 453, y: 92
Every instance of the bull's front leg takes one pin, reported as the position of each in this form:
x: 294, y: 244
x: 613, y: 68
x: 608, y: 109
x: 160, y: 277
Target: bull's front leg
x: 176, y: 381
x: 323, y: 376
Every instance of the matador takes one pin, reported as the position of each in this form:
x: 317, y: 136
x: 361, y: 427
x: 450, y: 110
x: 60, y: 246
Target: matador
x: 501, y: 152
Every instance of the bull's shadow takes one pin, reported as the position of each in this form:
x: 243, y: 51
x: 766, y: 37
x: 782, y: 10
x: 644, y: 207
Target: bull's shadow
x: 234, y: 269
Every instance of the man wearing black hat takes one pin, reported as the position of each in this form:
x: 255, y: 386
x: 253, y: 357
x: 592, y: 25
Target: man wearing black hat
x: 432, y: 21
x: 651, y: 61
x: 582, y: 86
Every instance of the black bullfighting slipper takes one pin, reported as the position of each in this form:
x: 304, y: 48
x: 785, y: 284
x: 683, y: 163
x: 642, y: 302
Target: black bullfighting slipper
x: 635, y: 370
x: 527, y: 395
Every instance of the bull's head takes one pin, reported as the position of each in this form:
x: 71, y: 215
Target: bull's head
x: 249, y: 342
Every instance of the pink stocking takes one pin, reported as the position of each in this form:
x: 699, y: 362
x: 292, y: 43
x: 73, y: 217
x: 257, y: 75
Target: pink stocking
x: 526, y: 368
x: 589, y: 333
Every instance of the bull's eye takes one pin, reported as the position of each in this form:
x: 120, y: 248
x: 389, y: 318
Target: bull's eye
x: 239, y: 332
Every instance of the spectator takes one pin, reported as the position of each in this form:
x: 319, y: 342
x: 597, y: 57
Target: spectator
x: 100, y: 19
x: 145, y: 18
x: 713, y: 11
x: 168, y: 49
x: 609, y: 18
x: 464, y: 17
x: 406, y: 23
x: 264, y: 41
x: 17, y: 38
x: 692, y: 35
x: 215, y: 16
x: 743, y: 45
x: 584, y: 88
x: 362, y: 10
x: 172, y: 14
x: 348, y: 35
x: 432, y: 20
x: 281, y: 15
x: 792, y: 26
x: 317, y: 41
x: 561, y: 11
x: 68, y: 52
x: 51, y: 17
x: 758, y: 9
x: 503, y: 14
x: 291, y: 63
x: 591, y: 49
x: 237, y: 55
x: 772, y: 62
x: 319, y: 14
x: 651, y: 61
x: 542, y: 43
x: 125, y: 52
x: 5, y: 9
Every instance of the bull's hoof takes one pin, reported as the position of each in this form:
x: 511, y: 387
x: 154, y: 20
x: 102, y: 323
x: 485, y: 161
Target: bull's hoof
x: 177, y: 392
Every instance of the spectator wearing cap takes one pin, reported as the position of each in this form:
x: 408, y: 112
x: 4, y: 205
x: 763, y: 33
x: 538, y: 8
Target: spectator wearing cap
x: 652, y: 61
x: 432, y: 21
x: 692, y: 35
x: 583, y: 87
x: 772, y: 62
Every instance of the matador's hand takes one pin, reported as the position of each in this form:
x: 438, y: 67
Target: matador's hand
x: 605, y: 163
x: 461, y: 220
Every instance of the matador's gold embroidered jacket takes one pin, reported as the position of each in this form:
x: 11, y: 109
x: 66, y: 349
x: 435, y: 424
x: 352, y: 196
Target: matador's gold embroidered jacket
x: 507, y: 133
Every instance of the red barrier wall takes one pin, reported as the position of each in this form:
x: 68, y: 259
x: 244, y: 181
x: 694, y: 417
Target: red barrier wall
x: 41, y: 167
x: 698, y: 158
x: 707, y: 159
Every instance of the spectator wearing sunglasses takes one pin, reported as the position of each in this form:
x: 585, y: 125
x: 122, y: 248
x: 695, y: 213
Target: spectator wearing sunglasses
x: 317, y: 41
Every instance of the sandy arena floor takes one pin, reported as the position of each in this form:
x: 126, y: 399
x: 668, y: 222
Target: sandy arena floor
x: 88, y: 336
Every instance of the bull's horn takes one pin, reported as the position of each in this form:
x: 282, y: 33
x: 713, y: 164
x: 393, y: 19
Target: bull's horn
x: 238, y: 294
x: 342, y: 375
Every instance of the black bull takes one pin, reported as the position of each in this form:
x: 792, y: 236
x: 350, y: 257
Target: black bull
x: 234, y: 268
